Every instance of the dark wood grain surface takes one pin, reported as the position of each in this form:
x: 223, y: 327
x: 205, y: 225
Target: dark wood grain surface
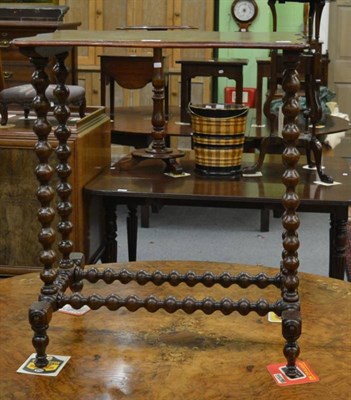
x: 142, y: 356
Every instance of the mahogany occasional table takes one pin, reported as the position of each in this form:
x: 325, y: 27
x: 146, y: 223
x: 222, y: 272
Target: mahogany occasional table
x: 143, y: 356
x: 54, y: 293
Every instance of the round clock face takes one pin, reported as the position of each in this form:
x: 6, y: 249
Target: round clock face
x: 244, y: 10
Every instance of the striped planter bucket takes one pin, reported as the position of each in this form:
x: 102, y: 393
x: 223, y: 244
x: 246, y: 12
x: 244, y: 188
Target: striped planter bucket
x: 218, y: 138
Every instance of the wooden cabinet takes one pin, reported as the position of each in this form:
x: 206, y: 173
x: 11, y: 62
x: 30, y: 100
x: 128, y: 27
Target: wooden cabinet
x: 17, y: 68
x: 90, y: 145
x: 111, y: 14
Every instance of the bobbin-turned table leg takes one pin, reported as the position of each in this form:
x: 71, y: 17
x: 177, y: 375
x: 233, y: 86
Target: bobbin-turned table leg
x: 55, y: 280
x: 44, y: 173
x: 291, y: 319
x: 39, y: 317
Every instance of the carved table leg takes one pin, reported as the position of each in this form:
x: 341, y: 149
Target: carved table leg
x: 55, y: 280
x: 44, y: 172
x: 311, y: 14
x: 307, y: 113
x: 318, y: 15
x: 291, y: 328
x: 110, y: 253
x: 266, y: 142
x: 172, y: 166
x: 40, y: 313
x: 310, y: 162
x: 39, y: 317
x: 291, y: 320
x: 64, y: 190
x: 132, y: 231
x: 316, y: 147
x: 338, y: 234
x: 63, y: 169
x: 313, y: 113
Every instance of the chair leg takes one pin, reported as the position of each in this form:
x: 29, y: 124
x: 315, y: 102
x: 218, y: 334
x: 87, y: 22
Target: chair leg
x: 26, y: 112
x: 4, y: 114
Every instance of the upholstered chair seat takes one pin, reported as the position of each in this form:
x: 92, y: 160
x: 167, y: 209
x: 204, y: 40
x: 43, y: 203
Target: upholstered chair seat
x: 23, y: 95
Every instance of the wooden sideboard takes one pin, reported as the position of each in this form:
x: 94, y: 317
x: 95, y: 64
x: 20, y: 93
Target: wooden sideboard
x: 17, y: 68
x: 90, y: 145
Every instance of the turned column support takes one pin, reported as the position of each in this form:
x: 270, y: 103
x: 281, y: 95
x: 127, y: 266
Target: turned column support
x: 44, y: 173
x: 54, y: 283
x: 40, y: 314
x: 291, y: 321
x: 63, y: 169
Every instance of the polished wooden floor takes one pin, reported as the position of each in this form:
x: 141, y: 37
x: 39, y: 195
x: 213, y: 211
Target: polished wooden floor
x: 139, y: 356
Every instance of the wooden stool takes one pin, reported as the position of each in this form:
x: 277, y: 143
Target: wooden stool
x: 230, y: 68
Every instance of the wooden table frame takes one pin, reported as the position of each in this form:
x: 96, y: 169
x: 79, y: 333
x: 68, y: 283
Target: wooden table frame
x: 70, y: 275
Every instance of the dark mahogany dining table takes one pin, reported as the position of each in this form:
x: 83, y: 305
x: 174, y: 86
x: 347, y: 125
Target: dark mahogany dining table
x: 146, y: 185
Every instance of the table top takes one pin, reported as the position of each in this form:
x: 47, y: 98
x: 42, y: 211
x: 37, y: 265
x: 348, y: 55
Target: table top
x: 146, y: 180
x: 167, y: 39
x: 176, y: 356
